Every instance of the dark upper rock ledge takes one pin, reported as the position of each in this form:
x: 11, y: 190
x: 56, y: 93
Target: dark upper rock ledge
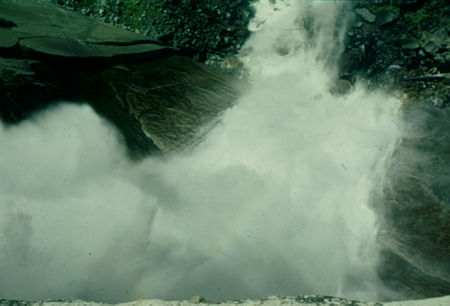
x: 156, y: 98
x: 46, y: 29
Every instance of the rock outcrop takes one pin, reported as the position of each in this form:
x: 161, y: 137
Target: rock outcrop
x: 157, y: 98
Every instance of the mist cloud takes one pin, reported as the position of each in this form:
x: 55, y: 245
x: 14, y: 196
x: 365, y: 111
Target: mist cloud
x: 269, y: 203
x: 273, y: 201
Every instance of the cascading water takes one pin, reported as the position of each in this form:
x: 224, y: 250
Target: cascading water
x: 275, y: 200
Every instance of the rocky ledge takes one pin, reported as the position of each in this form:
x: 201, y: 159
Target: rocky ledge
x: 155, y: 96
x: 269, y: 301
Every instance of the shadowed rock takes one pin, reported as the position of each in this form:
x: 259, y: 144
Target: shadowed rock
x: 159, y: 100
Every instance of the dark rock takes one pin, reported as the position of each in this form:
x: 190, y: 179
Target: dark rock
x: 17, y: 66
x: 232, y: 65
x: 351, y: 61
x: 8, y: 38
x: 5, y: 23
x: 341, y: 87
x: 365, y: 14
x: 435, y: 41
x: 438, y: 101
x: 443, y: 60
x: 416, y: 215
x: 411, y: 45
x: 157, y: 100
x: 170, y: 98
x: 387, y: 16
x: 196, y: 299
x: 64, y: 47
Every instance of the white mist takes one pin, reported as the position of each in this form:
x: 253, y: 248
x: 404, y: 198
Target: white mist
x: 273, y: 201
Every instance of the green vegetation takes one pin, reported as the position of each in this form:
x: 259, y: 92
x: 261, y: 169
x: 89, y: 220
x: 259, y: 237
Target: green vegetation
x: 78, y: 3
x: 131, y: 13
x: 390, y: 7
x: 86, y: 2
x: 418, y: 17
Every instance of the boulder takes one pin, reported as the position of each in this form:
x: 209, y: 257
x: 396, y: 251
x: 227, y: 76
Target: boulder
x: 386, y: 17
x: 436, y: 41
x: 365, y: 14
x: 341, y: 87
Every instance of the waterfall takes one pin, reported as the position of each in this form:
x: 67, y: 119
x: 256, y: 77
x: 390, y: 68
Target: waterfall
x: 275, y: 199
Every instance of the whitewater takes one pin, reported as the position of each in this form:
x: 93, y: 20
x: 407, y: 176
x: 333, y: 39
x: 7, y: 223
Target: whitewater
x: 276, y: 199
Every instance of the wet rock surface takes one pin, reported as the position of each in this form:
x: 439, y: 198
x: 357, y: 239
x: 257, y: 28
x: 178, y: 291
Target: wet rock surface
x: 403, y: 47
x: 415, y: 205
x: 48, y: 54
x: 170, y: 98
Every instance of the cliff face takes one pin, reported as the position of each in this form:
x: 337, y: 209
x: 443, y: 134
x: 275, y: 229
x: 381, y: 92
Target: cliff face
x: 403, y: 47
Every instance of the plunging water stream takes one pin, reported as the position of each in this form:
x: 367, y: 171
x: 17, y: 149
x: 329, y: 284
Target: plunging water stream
x: 275, y: 200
